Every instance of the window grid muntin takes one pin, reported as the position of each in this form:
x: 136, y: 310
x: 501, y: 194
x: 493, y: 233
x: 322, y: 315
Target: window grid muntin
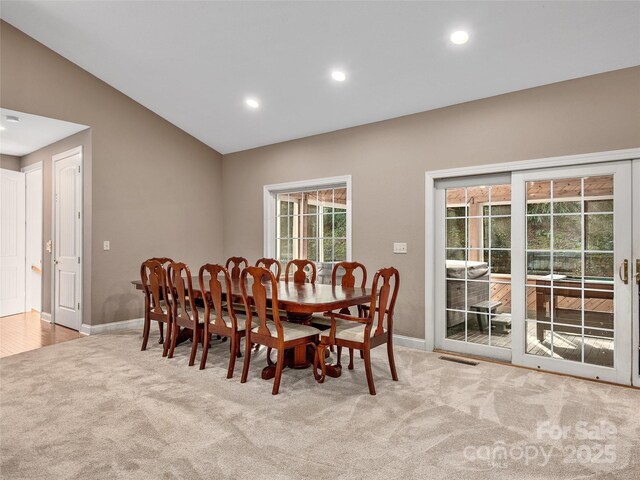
x: 482, y: 250
x: 325, y: 243
x: 583, y: 252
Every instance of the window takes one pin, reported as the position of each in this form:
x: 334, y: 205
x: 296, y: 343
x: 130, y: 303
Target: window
x: 310, y: 220
x: 478, y: 264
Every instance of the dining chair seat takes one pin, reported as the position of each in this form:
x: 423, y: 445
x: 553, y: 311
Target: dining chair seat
x: 326, y: 321
x: 200, y: 313
x: 350, y: 332
x: 241, y: 323
x: 291, y: 330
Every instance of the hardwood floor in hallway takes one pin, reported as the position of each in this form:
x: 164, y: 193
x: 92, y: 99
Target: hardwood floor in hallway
x: 25, y: 331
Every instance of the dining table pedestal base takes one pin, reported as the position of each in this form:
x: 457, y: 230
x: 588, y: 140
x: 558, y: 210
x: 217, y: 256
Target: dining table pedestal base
x: 299, y: 358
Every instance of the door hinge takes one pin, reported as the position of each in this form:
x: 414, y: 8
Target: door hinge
x: 78, y: 259
x: 78, y: 168
x: 78, y: 305
x: 78, y: 215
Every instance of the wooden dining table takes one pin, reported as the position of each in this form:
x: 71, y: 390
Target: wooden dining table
x: 300, y: 301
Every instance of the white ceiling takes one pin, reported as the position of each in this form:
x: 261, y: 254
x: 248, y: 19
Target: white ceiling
x: 194, y: 63
x: 32, y: 132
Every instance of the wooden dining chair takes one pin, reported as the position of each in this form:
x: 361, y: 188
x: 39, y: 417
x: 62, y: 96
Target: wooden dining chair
x: 368, y: 332
x: 298, y: 271
x: 349, y: 270
x: 235, y: 265
x: 157, y: 306
x: 277, y: 334
x: 186, y: 313
x: 219, y: 318
x: 270, y: 263
x: 165, y: 261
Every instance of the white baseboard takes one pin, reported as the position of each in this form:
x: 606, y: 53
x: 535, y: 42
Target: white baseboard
x: 402, y: 340
x: 111, y: 327
x: 410, y: 342
x: 45, y: 316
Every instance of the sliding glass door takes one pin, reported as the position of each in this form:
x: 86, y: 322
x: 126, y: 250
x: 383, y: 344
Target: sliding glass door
x: 531, y: 269
x: 574, y: 228
x: 474, y: 265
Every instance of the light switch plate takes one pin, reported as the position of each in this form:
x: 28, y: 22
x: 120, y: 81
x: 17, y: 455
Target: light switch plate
x: 399, y: 248
x: 106, y: 245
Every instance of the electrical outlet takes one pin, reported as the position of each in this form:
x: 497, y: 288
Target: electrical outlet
x: 399, y: 248
x: 106, y: 245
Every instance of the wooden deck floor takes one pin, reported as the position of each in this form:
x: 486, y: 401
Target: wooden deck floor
x: 597, y: 350
x: 25, y: 331
x: 567, y: 346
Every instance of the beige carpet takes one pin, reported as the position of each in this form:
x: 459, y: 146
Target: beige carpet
x: 99, y: 408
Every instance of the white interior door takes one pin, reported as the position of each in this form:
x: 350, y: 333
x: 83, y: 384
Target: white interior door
x: 636, y: 273
x: 571, y: 300
x: 67, y: 268
x: 12, y: 248
x: 33, y: 267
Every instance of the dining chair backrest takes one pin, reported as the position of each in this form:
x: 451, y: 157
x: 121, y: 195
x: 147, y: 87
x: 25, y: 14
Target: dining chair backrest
x: 235, y: 266
x: 155, y: 286
x: 384, y: 291
x: 165, y: 261
x: 213, y: 295
x: 300, y: 271
x: 271, y: 263
x: 263, y: 280
x: 349, y: 278
x: 180, y: 284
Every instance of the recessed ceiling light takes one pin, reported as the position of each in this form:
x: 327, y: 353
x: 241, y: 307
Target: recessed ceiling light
x: 460, y: 37
x: 252, y: 102
x: 338, y: 76
x: 12, y: 118
x: 2, y: 128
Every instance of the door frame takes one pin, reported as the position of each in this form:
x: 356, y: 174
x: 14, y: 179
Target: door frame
x: 634, y: 272
x: 54, y: 159
x: 26, y: 170
x: 430, y: 210
x: 621, y: 372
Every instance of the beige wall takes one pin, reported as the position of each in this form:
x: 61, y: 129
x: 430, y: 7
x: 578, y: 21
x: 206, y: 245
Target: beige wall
x: 10, y: 162
x: 388, y: 161
x: 154, y: 190
x: 45, y: 155
x: 151, y: 189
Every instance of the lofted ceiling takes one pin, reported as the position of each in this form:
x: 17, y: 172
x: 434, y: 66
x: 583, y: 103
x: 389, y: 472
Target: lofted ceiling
x: 195, y: 63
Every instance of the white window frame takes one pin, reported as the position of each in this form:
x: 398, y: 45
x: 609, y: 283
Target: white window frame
x: 270, y: 193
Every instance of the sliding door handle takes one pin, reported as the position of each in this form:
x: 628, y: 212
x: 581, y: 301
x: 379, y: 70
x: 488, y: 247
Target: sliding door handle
x: 638, y: 271
x: 623, y: 271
